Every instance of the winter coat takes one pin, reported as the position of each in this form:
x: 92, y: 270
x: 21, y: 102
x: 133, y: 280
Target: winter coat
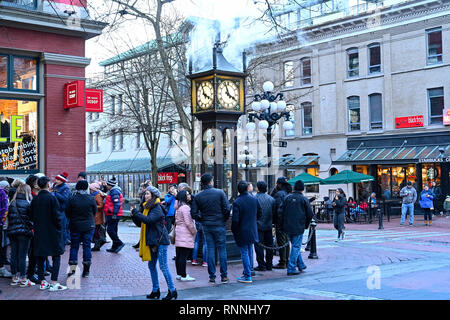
x: 156, y: 231
x: 113, y: 202
x: 267, y: 203
x: 3, y: 205
x: 295, y: 214
x: 169, y: 201
x: 211, y: 207
x: 424, y: 201
x: 246, y: 212
x: 99, y: 217
x: 81, y: 211
x: 62, y: 193
x: 437, y: 192
x: 340, y: 204
x: 19, y: 223
x: 185, y: 230
x: 409, y: 195
x: 47, y: 219
x: 279, y: 198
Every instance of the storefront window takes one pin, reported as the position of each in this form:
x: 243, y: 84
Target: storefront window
x: 314, y: 188
x: 431, y: 172
x: 3, y: 71
x: 362, y: 189
x: 25, y: 73
x: 18, y: 141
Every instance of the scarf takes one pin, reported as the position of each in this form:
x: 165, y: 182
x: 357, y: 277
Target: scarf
x: 144, y: 249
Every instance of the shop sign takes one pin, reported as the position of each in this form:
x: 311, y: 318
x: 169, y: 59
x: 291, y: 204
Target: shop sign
x: 167, y: 177
x: 444, y: 159
x: 74, y: 94
x: 94, y: 100
x: 446, y: 117
x: 408, y: 122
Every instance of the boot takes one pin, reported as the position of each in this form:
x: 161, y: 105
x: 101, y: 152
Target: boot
x: 171, y: 295
x: 154, y: 295
x: 429, y: 222
x: 86, y: 267
x: 72, y: 268
x: 426, y: 222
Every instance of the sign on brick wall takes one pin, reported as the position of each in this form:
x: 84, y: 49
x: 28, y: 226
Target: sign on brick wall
x: 167, y: 177
x: 409, y: 122
x: 446, y: 117
x: 94, y: 100
x: 74, y: 94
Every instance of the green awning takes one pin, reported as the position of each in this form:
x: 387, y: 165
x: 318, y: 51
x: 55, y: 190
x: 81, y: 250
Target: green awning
x: 290, y: 161
x: 131, y: 166
x: 306, y: 178
x: 347, y: 176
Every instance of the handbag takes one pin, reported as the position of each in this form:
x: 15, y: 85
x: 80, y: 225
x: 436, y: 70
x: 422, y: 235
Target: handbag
x: 172, y: 234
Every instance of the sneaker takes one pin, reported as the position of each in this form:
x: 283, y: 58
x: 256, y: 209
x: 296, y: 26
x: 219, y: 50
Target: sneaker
x: 15, y: 281
x: 119, y: 248
x: 224, y: 280
x: 204, y: 264
x: 342, y: 235
x: 259, y: 268
x: 188, y: 278
x: 34, y: 279
x: 195, y: 263
x: 188, y: 261
x: 178, y: 277
x: 212, y: 280
x: 245, y: 279
x: 402, y: 224
x: 295, y: 273
x: 26, y: 284
x: 5, y: 273
x: 337, y: 240
x: 44, y: 285
x: 47, y: 273
x: 410, y: 224
x: 57, y: 287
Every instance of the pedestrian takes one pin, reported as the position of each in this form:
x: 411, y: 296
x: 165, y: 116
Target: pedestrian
x: 20, y: 233
x: 409, y: 197
x: 81, y: 211
x: 246, y: 212
x: 295, y: 214
x: 32, y: 263
x: 281, y: 191
x: 113, y: 212
x: 387, y: 194
x: 99, y: 238
x: 62, y: 192
x: 14, y: 185
x: 264, y: 225
x: 142, y: 200
x: 426, y: 203
x: 200, y: 239
x: 169, y: 201
x: 250, y: 188
x: 339, y: 202
x: 437, y: 192
x: 4, y: 187
x: 211, y: 208
x: 48, y: 238
x: 154, y: 241
x: 185, y: 232
x: 351, y: 205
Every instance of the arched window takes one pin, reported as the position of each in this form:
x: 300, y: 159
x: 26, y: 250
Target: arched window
x: 333, y: 171
x: 352, y: 62
x: 291, y: 109
x: 354, y: 116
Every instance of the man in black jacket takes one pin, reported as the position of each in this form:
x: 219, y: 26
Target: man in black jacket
x: 211, y: 208
x: 294, y: 217
x: 281, y: 191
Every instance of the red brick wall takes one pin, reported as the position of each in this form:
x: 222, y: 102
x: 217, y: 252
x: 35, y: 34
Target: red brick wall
x: 65, y: 152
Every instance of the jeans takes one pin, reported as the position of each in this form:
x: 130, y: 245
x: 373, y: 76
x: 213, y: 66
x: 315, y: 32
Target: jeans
x: 282, y: 238
x: 19, y: 250
x: 247, y: 258
x: 427, y: 214
x: 163, y: 266
x: 2, y: 248
x: 338, y: 221
x: 405, y: 208
x: 77, y: 238
x: 65, y: 228
x: 295, y: 259
x: 112, y: 228
x: 265, y: 237
x: 56, y: 261
x: 180, y: 261
x: 216, y: 237
x: 169, y: 222
x: 200, y: 238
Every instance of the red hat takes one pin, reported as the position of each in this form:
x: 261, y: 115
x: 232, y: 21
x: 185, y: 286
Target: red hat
x: 63, y: 177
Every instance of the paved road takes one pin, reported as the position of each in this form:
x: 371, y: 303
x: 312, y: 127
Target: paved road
x: 412, y: 263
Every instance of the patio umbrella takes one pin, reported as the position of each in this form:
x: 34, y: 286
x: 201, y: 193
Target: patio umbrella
x: 306, y: 178
x: 346, y: 177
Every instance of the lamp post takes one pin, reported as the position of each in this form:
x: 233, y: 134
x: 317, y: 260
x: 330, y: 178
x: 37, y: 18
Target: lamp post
x: 247, y: 161
x: 268, y: 111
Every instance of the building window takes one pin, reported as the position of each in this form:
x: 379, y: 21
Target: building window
x: 353, y: 113
x: 121, y: 139
x: 89, y: 116
x: 436, y: 105
x: 114, y: 140
x: 307, y: 118
x: 113, y: 105
x: 374, y: 58
x: 27, y: 4
x: 434, y: 46
x: 291, y: 110
x: 91, y: 141
x: 288, y: 73
x: 333, y: 171
x: 18, y: 73
x: 305, y: 71
x: 352, y: 62
x: 375, y: 111
x: 312, y: 188
x: 96, y: 143
x: 120, y: 111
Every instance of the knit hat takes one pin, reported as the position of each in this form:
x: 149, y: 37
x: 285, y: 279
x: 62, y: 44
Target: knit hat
x: 82, y: 174
x: 82, y: 185
x: 111, y: 182
x: 62, y: 177
x: 4, y: 184
x: 299, y: 185
x: 154, y: 191
x: 94, y: 186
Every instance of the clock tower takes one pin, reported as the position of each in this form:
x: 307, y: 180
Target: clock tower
x: 218, y: 100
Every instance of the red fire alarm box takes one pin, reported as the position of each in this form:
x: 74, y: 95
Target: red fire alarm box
x: 94, y: 100
x: 74, y: 94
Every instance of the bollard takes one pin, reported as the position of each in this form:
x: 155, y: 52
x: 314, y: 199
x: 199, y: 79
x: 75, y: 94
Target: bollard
x: 313, y: 249
x: 380, y: 220
x: 308, y: 244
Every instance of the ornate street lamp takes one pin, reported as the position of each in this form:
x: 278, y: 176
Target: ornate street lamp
x: 268, y: 111
x: 247, y: 160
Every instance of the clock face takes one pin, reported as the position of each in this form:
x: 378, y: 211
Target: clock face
x: 228, y: 94
x: 205, y: 95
